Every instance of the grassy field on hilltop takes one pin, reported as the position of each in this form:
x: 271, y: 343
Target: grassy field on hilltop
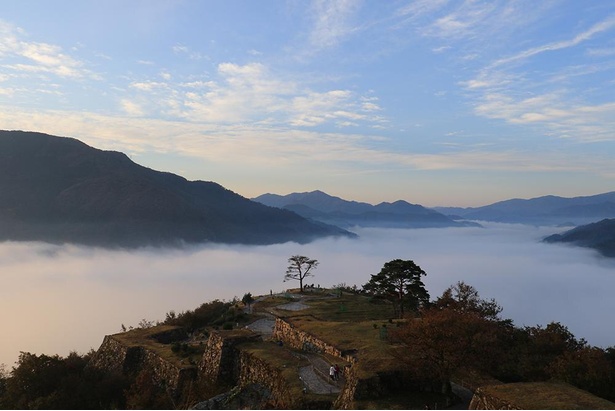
x: 327, y: 305
x: 547, y: 395
x: 146, y: 338
x: 348, y: 321
x: 368, y: 338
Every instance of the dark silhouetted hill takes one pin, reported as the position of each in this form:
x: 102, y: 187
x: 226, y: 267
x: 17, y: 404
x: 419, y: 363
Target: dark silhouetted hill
x: 58, y: 189
x: 547, y: 210
x: 599, y: 236
x: 334, y: 210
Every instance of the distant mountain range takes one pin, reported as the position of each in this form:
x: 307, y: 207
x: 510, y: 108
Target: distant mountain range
x: 599, y: 236
x: 58, y: 190
x: 547, y: 210
x: 325, y: 208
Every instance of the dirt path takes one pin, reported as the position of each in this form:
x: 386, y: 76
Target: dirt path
x: 315, y: 383
x: 315, y: 376
x: 294, y: 306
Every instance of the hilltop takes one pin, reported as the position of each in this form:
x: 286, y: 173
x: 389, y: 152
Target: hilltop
x: 599, y: 236
x: 58, y: 189
x: 276, y: 354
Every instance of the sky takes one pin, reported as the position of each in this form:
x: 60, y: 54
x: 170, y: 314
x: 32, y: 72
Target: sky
x: 440, y: 103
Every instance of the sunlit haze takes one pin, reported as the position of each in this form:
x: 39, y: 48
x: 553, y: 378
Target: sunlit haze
x: 450, y: 103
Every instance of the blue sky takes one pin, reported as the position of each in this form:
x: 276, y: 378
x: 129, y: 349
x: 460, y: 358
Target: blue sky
x: 432, y: 101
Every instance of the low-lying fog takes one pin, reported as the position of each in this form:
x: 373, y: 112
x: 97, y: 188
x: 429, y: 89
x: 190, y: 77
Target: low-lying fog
x: 56, y: 299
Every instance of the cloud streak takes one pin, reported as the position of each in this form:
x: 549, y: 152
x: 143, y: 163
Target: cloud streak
x: 254, y: 146
x: 331, y: 23
x: 501, y: 91
x: 552, y: 98
x: 586, y: 35
x: 251, y: 94
x: 37, y: 57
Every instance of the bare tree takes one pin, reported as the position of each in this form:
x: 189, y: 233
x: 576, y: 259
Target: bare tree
x: 299, y: 268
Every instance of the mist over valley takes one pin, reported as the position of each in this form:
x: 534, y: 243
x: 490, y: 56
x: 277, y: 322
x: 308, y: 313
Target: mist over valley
x: 139, y: 243
x: 55, y: 299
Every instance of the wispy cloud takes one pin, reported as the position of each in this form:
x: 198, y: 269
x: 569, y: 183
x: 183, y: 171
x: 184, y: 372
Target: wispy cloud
x: 252, y: 94
x: 37, y: 57
x: 186, y: 51
x: 553, y: 98
x: 417, y: 8
x: 509, y: 86
x: 469, y: 20
x: 332, y: 22
x: 586, y: 35
x: 256, y: 146
x: 601, y: 52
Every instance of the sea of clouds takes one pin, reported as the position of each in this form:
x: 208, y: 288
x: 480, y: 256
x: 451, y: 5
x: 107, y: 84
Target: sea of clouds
x: 57, y: 299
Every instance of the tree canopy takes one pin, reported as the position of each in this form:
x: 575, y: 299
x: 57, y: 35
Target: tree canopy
x: 300, y: 267
x: 464, y: 298
x: 399, y: 281
x: 445, y: 341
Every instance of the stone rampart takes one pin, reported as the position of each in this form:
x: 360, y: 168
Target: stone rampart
x: 255, y: 370
x: 485, y: 401
x: 346, y: 398
x: 302, y: 340
x: 220, y: 362
x: 228, y: 361
x: 115, y: 356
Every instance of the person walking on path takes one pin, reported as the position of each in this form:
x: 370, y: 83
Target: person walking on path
x: 332, y: 372
x: 336, y: 372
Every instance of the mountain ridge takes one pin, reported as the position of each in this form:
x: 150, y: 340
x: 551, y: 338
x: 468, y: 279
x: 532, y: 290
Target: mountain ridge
x: 59, y: 189
x: 599, y: 235
x: 544, y: 210
x: 329, y: 209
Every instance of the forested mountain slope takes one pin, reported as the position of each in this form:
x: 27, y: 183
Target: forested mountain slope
x: 59, y: 189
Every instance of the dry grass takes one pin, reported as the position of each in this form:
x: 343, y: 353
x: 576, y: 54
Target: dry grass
x: 143, y: 337
x: 348, y: 307
x: 347, y: 322
x: 547, y: 396
x: 405, y: 401
x: 326, y: 305
x: 373, y: 352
